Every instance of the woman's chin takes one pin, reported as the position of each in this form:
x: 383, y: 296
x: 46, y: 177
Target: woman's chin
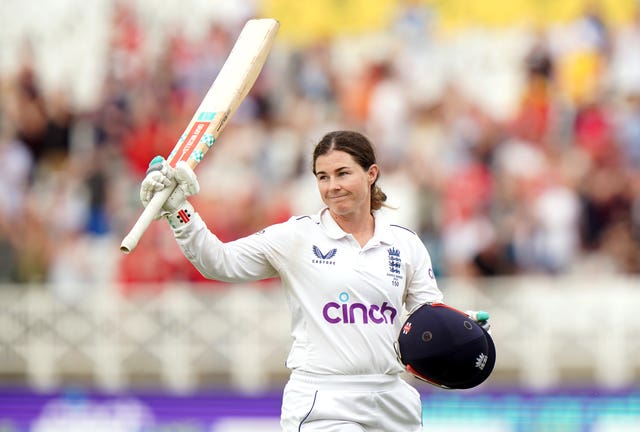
x: 340, y: 210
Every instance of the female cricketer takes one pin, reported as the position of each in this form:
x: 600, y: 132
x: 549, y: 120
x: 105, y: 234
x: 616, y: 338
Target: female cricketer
x: 348, y: 274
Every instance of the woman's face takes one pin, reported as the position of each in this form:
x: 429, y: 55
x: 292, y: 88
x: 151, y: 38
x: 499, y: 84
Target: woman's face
x: 345, y: 187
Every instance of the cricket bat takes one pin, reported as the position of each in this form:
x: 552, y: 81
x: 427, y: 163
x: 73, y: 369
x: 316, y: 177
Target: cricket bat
x: 230, y: 87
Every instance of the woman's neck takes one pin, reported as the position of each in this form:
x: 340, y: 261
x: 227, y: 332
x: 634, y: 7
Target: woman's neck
x: 360, y: 227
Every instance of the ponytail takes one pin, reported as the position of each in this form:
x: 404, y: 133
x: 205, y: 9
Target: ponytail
x: 378, y: 197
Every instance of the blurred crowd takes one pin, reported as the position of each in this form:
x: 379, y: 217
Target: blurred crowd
x: 550, y: 185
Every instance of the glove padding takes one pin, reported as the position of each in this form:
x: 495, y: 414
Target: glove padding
x: 481, y: 317
x: 161, y: 175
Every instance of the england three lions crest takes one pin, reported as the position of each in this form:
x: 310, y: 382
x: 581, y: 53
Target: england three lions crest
x: 395, y: 263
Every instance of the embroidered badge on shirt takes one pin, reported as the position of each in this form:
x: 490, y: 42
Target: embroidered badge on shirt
x: 395, y: 265
x: 324, y: 258
x: 394, y: 260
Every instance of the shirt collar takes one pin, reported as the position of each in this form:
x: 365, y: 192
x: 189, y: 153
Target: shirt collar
x: 331, y: 227
x: 381, y: 234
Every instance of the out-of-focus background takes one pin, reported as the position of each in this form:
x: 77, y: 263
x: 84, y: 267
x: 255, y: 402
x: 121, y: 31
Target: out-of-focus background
x: 509, y: 139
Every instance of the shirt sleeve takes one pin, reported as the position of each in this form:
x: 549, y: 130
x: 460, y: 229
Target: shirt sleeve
x: 246, y: 259
x: 422, y: 286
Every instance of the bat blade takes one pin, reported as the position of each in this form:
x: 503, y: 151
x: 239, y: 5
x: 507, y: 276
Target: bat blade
x: 229, y: 89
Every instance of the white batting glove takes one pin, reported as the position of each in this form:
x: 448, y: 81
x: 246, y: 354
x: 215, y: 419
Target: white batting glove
x: 161, y: 175
x: 481, y: 317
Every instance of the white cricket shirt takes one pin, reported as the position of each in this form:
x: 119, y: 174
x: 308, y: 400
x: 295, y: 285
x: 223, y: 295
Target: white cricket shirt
x: 346, y: 301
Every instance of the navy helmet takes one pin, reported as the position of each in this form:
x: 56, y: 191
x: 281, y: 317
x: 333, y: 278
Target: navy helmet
x: 445, y: 347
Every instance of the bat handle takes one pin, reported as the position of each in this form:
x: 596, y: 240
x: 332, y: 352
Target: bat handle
x: 131, y: 240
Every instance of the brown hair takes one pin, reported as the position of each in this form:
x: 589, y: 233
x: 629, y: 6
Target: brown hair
x: 360, y: 149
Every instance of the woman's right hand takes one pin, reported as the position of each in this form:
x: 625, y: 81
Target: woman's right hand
x: 161, y: 175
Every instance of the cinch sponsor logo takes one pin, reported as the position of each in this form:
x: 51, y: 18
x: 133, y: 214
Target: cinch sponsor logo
x: 357, y: 313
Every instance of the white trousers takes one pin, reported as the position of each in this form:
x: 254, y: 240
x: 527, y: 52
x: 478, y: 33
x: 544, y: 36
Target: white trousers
x: 361, y: 403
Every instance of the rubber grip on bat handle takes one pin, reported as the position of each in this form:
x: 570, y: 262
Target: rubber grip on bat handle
x: 131, y: 240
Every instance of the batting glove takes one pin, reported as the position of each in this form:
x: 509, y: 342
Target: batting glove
x: 481, y: 317
x: 161, y: 175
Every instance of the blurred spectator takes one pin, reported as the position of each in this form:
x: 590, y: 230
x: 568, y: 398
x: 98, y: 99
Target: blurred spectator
x: 16, y: 165
x: 26, y: 107
x: 627, y: 130
x: 534, y: 118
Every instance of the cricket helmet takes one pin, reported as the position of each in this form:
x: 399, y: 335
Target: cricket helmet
x: 445, y: 347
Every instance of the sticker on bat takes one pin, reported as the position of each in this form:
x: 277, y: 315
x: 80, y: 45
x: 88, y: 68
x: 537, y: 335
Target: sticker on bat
x: 197, y: 155
x: 208, y: 139
x: 193, y: 136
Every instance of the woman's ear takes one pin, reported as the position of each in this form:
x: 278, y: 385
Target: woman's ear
x: 373, y: 173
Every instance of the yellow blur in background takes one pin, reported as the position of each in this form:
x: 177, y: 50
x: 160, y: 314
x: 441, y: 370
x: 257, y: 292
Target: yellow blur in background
x: 305, y: 21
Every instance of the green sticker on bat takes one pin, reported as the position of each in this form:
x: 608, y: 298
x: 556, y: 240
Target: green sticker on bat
x: 206, y: 116
x: 208, y: 139
x: 197, y: 155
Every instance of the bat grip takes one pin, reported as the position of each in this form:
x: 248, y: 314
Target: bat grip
x: 150, y: 211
